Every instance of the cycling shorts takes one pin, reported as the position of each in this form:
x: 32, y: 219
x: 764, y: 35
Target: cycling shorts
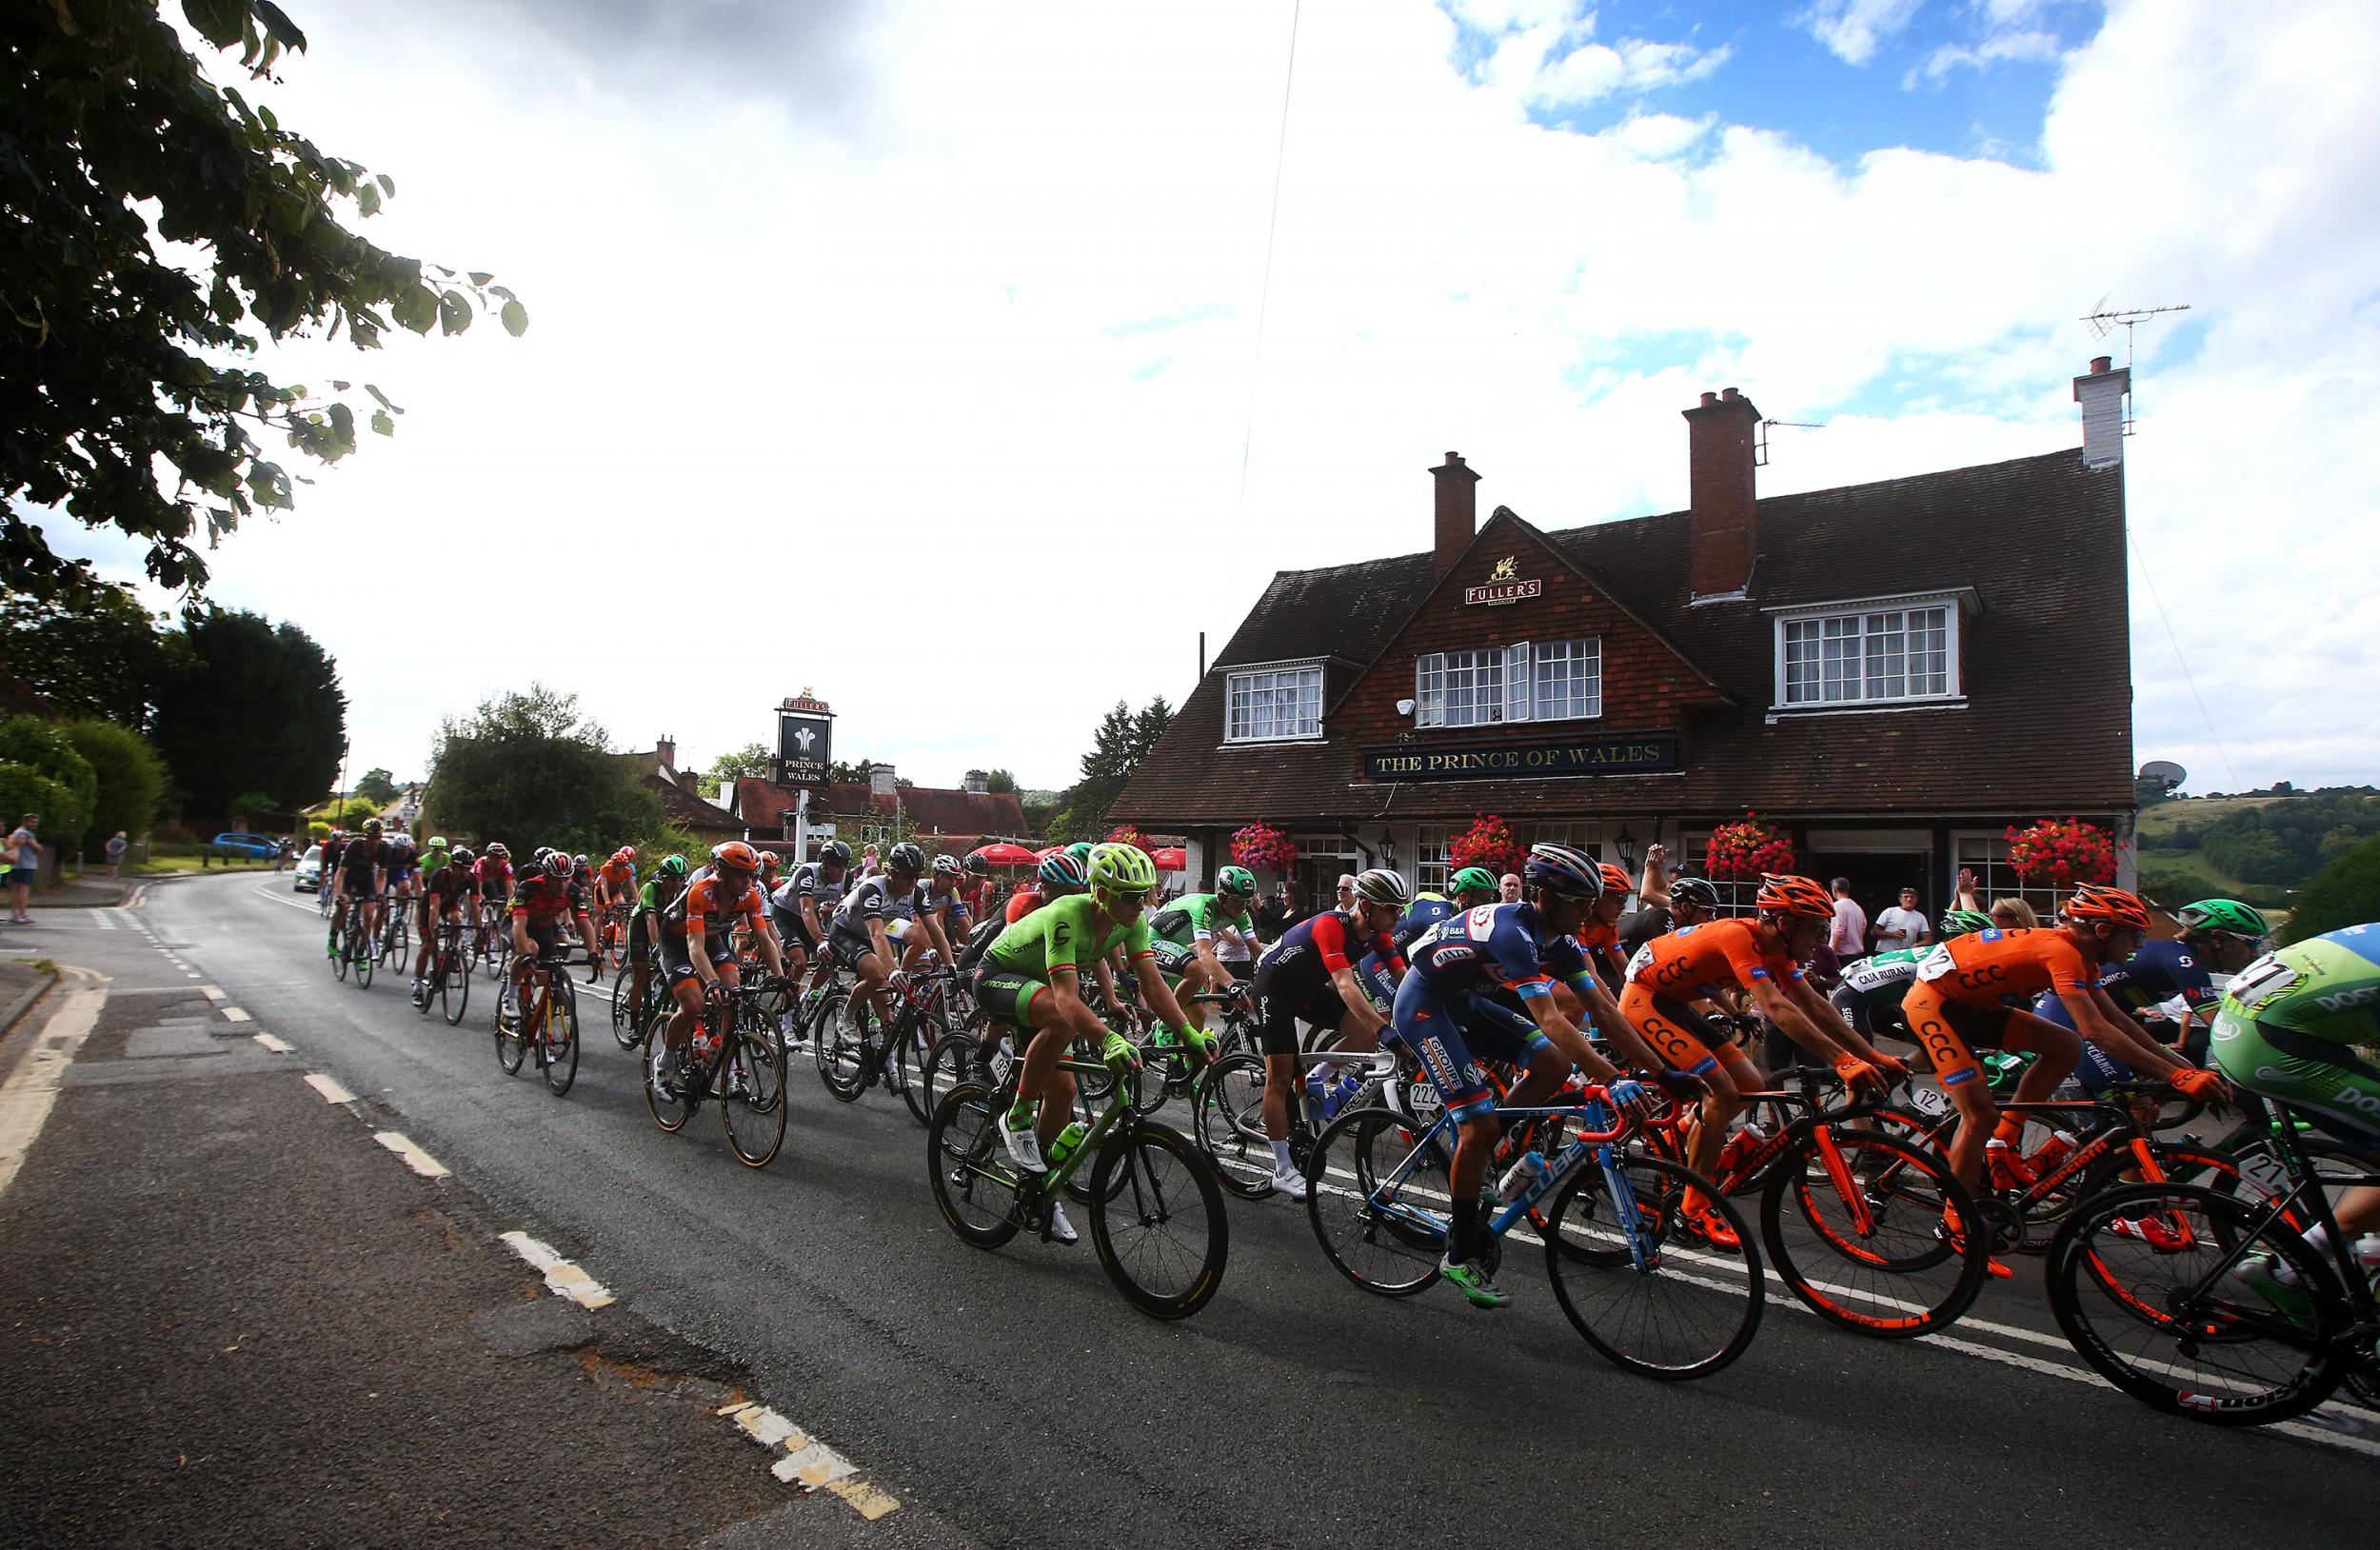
x: 677, y: 963
x: 2095, y: 1069
x: 847, y: 948
x: 1684, y: 1038
x: 1451, y: 1034
x: 640, y: 951
x: 2336, y: 1087
x: 1950, y: 1031
x: 1873, y: 1019
x: 545, y: 936
x: 1172, y: 960
x: 792, y: 930
x: 1015, y: 999
x: 448, y: 906
x: 357, y: 887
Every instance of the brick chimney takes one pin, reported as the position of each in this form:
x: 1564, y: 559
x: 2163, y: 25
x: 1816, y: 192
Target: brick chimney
x: 1723, y: 530
x: 667, y: 750
x: 879, y: 781
x: 975, y: 783
x: 2101, y: 394
x: 1457, y: 513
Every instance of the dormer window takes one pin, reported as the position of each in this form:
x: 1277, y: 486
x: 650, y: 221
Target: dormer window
x: 1882, y: 651
x: 1277, y: 702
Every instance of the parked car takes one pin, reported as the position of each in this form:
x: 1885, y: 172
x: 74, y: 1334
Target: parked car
x: 309, y: 870
x: 255, y: 846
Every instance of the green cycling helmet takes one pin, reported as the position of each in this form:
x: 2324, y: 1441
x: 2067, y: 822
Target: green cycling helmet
x: 1957, y: 922
x: 438, y: 842
x: 1236, y: 881
x: 673, y: 866
x: 2223, y: 915
x: 1081, y: 850
x: 1471, y: 879
x: 1122, y: 867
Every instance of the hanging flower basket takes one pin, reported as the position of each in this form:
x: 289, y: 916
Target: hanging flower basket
x: 1126, y: 834
x: 1743, y: 851
x: 2062, y: 852
x: 1261, y: 847
x: 1488, y: 843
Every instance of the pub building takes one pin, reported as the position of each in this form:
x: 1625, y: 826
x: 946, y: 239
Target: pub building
x: 1891, y: 673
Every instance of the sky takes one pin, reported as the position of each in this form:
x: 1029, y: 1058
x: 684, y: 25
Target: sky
x: 862, y: 333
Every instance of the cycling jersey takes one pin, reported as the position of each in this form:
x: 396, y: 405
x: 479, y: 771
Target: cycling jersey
x: 449, y: 885
x: 495, y: 878
x: 2287, y: 1025
x: 2160, y: 972
x: 1294, y: 978
x: 1060, y: 937
x: 876, y: 899
x: 399, y: 860
x: 808, y: 881
x: 1880, y: 979
x: 1195, y: 917
x: 1642, y: 925
x: 1022, y: 903
x: 1600, y: 938
x: 361, y: 856
x: 544, y: 901
x: 617, y: 875
x: 1958, y: 1002
x: 1443, y: 1011
x: 708, y: 910
x: 1696, y: 961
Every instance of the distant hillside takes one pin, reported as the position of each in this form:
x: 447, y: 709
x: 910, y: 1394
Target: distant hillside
x: 2256, y: 848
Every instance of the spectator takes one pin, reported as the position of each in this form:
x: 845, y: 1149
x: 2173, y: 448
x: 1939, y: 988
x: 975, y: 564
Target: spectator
x: 1347, y: 893
x: 2010, y: 913
x: 1272, y: 912
x: 117, y: 845
x: 1903, y: 926
x: 1849, y: 937
x: 1300, y: 908
x: 1509, y: 885
x: 25, y: 853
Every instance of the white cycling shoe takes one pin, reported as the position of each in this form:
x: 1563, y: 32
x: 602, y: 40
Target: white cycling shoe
x: 1061, y: 1230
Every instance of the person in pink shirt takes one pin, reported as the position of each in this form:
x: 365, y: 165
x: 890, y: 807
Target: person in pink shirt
x: 1848, y: 935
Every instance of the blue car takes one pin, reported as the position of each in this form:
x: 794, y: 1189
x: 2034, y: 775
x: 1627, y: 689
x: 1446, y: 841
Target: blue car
x: 255, y: 846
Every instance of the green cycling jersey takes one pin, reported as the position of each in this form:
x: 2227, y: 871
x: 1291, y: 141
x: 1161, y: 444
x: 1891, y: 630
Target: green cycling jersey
x: 1195, y: 917
x: 1883, y: 979
x: 1065, y: 934
x: 2289, y: 1021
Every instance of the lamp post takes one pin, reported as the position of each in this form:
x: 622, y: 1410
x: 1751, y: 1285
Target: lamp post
x: 1626, y: 843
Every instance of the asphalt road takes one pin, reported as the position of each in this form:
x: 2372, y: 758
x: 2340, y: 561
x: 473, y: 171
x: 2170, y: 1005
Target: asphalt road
x: 1015, y: 1396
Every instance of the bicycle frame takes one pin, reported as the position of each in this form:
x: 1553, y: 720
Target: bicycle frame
x: 1601, y: 1140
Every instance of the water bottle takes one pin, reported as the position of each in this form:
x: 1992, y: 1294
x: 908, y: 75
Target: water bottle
x: 1520, y: 1176
x: 1068, y: 1138
x: 1342, y: 1092
x: 1315, y: 1080
x: 2367, y: 1257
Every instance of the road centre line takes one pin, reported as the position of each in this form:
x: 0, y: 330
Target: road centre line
x: 419, y: 1161
x: 328, y: 1087
x: 233, y: 1014
x: 561, y: 1275
x: 810, y: 1463
x: 279, y: 1046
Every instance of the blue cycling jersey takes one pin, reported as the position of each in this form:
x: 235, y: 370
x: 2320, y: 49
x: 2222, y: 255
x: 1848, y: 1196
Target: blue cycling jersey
x: 2157, y: 974
x: 1497, y: 946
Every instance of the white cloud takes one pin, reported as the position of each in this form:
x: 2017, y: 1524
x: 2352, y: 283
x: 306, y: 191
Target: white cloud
x: 835, y: 404
x: 1855, y: 29
x: 1995, y: 48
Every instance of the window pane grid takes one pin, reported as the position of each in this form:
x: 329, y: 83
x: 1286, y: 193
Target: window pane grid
x: 1996, y: 879
x: 1532, y: 681
x: 1278, y: 702
x: 1847, y: 659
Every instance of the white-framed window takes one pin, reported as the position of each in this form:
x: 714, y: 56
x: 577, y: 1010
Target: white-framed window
x: 1986, y: 856
x: 1889, y: 651
x: 1273, y: 704
x: 1530, y: 681
x: 1430, y: 865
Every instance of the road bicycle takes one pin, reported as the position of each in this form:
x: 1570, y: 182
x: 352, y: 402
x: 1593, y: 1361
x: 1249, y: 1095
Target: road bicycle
x: 396, y: 933
x: 1156, y: 1206
x: 449, y: 981
x: 631, y: 1023
x: 856, y: 1049
x: 1228, y: 1110
x: 355, y: 948
x: 2195, y: 1320
x: 733, y: 1056
x: 1649, y: 1297
x: 494, y: 945
x: 613, y: 933
x: 547, y: 1027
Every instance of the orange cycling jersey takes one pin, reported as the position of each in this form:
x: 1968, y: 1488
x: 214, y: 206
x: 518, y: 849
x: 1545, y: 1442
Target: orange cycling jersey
x: 618, y: 873
x: 1695, y: 961
x: 705, y: 907
x: 1981, y: 967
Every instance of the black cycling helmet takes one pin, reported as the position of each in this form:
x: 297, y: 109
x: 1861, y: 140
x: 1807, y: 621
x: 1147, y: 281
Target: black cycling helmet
x: 974, y: 866
x: 1696, y: 891
x: 1568, y: 872
x: 906, y: 858
x: 834, y: 853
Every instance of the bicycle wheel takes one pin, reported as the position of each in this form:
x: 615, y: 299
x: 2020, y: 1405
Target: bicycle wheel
x: 1853, y: 1223
x: 624, y: 1024
x: 672, y: 1112
x: 914, y: 1039
x: 615, y: 940
x: 1227, y: 1120
x: 975, y: 1183
x: 1379, y: 1197
x: 752, y: 1108
x: 454, y: 986
x: 339, y: 956
x: 2175, y: 1324
x: 559, y: 1038
x: 1670, y: 1312
x: 1159, y: 1224
x: 359, y: 945
x: 840, y: 1048
x: 512, y: 1045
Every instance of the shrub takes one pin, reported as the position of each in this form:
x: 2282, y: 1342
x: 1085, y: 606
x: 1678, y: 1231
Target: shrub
x: 2345, y: 893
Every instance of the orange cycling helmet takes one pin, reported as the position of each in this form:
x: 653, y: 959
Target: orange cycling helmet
x: 735, y: 856
x: 1781, y: 893
x: 2093, y: 902
x: 1616, y: 881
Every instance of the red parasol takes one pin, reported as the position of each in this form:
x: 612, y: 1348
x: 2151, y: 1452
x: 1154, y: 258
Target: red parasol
x: 1004, y: 854
x: 1170, y: 858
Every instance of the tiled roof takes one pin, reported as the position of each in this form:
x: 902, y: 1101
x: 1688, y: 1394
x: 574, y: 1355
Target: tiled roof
x: 2046, y: 725
x: 933, y: 809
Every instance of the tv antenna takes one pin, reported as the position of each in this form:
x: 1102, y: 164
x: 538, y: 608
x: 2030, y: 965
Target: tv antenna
x: 1760, y: 443
x: 2104, y: 321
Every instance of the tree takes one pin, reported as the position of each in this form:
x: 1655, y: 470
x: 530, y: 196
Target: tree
x: 1119, y: 744
x: 377, y: 786
x: 92, y: 649
x: 2345, y: 893
x: 529, y: 768
x: 157, y: 227
x: 248, y: 706
x: 131, y: 779
x: 40, y: 773
x: 753, y: 759
x: 999, y: 780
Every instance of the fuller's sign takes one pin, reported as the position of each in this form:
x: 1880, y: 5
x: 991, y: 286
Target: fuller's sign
x: 805, y: 730
x: 1504, y: 585
x: 1625, y: 753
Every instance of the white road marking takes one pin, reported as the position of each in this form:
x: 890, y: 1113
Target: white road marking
x: 210, y: 992
x: 561, y: 1275
x: 419, y: 1161
x: 810, y: 1463
x: 32, y: 1088
x: 232, y: 1014
x: 328, y: 1087
x: 106, y: 919
x: 279, y: 1046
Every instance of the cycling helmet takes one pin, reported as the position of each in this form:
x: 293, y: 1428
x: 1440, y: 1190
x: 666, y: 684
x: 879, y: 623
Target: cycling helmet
x: 1061, y: 871
x: 974, y: 866
x: 906, y: 858
x: 438, y: 842
x: 461, y: 857
x: 1123, y: 868
x: 1616, y: 880
x: 2093, y: 901
x: 496, y: 850
x: 1379, y: 885
x: 1566, y: 871
x: 2223, y: 915
x: 735, y: 856
x: 539, y: 857
x: 1235, y: 883
x: 768, y: 861
x: 578, y: 860
x: 558, y: 866
x: 1081, y: 850
x: 673, y: 866
x: 1695, y: 891
x: 372, y: 826
x: 1472, y: 879
x: 834, y: 853
x: 1957, y: 922
x: 1781, y: 893
x: 945, y: 867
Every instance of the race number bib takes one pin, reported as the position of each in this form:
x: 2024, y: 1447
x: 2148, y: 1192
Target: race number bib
x: 1937, y: 964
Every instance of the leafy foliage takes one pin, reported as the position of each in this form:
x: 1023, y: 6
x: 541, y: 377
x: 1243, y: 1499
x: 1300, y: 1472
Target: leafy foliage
x: 530, y: 769
x: 1121, y: 740
x: 157, y: 229
x: 377, y: 786
x: 752, y: 759
x: 90, y: 647
x: 999, y: 780
x: 2346, y: 892
x: 40, y: 773
x: 131, y: 778
x: 246, y: 706
x: 2285, y: 842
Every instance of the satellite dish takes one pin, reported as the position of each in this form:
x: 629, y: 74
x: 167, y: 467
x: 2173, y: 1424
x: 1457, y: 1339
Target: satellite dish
x: 2165, y: 773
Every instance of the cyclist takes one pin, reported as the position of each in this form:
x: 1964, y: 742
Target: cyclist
x: 936, y: 916
x: 1309, y: 975
x: 698, y: 950
x: 360, y: 881
x: 1056, y: 877
x: 2287, y: 1027
x: 660, y: 890
x: 1689, y: 901
x: 1182, y: 936
x: 615, y: 879
x: 803, y: 903
x: 329, y: 877
x: 1760, y: 957
x: 494, y: 871
x: 450, y: 897
x: 401, y: 866
x: 1472, y: 887
x: 1869, y: 996
x: 543, y: 900
x: 2219, y: 936
x: 1957, y: 1004
x: 1599, y: 935
x: 1446, y: 1016
x: 433, y: 856
x: 1032, y: 979
x: 859, y: 938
